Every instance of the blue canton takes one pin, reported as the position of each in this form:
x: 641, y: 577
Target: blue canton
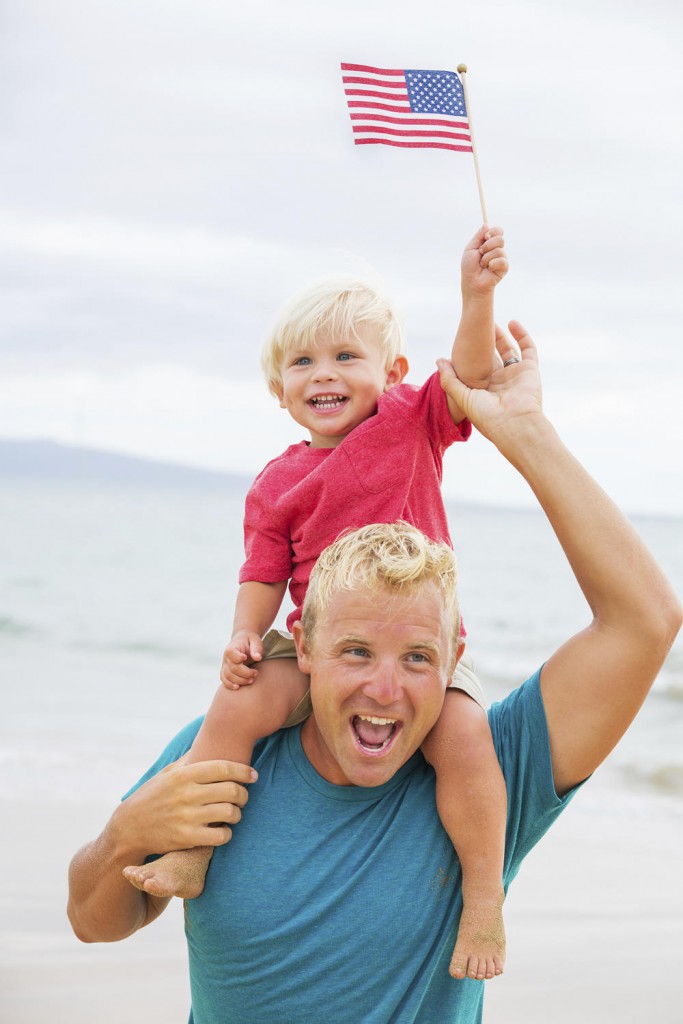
x: 435, y: 92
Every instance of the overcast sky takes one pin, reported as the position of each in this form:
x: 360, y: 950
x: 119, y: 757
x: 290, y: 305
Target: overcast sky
x: 173, y: 170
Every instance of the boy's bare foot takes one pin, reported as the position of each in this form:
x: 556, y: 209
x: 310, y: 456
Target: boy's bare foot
x: 480, y: 948
x: 180, y: 873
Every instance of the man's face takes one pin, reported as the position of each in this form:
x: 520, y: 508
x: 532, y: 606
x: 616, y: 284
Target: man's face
x: 379, y: 670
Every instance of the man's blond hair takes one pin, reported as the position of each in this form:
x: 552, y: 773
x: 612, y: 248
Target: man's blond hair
x: 338, y: 304
x: 390, y: 557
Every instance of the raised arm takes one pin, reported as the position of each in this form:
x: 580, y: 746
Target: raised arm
x: 484, y: 264
x: 595, y: 683
x: 172, y: 811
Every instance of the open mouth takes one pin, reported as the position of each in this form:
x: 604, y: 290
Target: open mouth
x: 328, y: 403
x: 374, y: 735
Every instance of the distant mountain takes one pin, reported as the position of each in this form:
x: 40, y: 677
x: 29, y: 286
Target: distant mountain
x: 53, y: 461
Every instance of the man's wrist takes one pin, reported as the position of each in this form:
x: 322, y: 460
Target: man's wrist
x: 119, y: 840
x: 528, y: 440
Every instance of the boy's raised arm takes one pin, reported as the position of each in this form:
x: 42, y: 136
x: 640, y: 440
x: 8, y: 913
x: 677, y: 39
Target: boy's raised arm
x: 595, y: 683
x: 484, y: 263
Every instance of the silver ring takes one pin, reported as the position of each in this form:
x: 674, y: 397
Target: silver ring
x: 510, y: 361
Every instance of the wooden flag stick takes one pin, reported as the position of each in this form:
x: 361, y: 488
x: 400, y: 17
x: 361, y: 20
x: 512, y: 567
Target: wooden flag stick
x: 462, y: 70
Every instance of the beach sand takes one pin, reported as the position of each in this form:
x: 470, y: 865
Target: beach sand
x: 595, y: 925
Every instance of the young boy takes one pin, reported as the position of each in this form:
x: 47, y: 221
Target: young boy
x: 334, y: 361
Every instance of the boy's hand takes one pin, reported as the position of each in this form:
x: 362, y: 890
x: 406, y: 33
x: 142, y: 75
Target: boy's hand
x: 484, y: 261
x: 244, y: 646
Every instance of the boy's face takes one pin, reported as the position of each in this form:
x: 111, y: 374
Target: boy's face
x: 331, y: 387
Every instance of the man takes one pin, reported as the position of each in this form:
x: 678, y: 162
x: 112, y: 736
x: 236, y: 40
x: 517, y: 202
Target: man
x: 336, y: 898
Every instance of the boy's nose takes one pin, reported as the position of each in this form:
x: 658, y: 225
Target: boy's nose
x: 325, y: 371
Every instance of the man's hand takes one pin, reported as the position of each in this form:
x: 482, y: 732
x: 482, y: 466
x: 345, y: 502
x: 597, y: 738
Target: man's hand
x: 512, y: 399
x: 176, y: 809
x: 244, y: 646
x: 172, y: 811
x: 484, y: 262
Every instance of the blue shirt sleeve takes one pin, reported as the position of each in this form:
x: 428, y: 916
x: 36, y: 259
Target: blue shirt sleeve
x: 179, y: 745
x: 520, y: 736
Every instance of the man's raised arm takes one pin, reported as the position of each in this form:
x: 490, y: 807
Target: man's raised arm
x: 595, y: 683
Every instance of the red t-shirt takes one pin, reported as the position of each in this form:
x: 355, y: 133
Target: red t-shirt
x: 389, y: 467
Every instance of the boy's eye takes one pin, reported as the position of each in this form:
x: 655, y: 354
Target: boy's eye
x: 302, y: 361
x: 345, y: 356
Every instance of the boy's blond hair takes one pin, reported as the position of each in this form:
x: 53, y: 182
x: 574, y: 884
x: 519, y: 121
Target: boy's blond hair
x: 338, y: 304
x: 388, y: 557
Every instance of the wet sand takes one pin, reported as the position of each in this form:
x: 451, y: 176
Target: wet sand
x: 595, y: 925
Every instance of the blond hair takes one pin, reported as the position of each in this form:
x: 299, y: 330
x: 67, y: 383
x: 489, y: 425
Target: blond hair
x: 337, y: 304
x: 395, y: 557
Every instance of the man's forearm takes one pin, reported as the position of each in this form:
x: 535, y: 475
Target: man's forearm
x: 103, y: 906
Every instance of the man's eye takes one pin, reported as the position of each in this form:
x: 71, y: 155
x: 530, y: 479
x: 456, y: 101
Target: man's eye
x: 418, y: 657
x: 357, y: 652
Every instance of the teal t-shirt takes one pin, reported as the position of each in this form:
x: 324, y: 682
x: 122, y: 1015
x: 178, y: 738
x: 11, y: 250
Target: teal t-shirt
x: 340, y: 903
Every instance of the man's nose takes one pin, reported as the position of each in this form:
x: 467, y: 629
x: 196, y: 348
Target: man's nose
x: 383, y: 684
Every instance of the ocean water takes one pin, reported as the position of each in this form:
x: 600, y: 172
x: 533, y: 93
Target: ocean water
x: 116, y: 601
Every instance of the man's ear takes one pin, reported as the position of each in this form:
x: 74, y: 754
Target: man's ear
x: 396, y: 372
x: 302, y: 655
x: 458, y: 655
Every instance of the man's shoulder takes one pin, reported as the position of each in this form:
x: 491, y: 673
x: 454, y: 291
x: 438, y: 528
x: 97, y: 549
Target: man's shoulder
x: 179, y: 745
x: 520, y: 736
x: 518, y: 721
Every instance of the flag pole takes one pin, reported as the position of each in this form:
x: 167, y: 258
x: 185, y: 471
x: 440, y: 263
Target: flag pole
x: 462, y: 70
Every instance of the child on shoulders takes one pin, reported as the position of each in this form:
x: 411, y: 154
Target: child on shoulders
x: 335, y: 362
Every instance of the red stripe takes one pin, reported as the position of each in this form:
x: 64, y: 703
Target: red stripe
x: 353, y: 80
x: 418, y: 134
x: 409, y: 120
x: 379, y: 106
x: 396, y: 97
x: 373, y: 71
x: 413, y: 145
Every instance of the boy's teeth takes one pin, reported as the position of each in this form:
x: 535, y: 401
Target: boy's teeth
x: 328, y: 400
x: 376, y: 721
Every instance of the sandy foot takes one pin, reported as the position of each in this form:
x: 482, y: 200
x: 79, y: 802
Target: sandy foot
x: 480, y: 948
x: 180, y: 873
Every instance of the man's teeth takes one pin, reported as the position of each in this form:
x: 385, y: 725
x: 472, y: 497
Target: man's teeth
x: 377, y: 721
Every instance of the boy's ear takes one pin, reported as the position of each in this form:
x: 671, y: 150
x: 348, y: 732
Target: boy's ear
x: 279, y: 393
x: 396, y: 372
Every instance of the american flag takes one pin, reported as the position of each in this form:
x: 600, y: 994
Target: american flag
x: 406, y: 108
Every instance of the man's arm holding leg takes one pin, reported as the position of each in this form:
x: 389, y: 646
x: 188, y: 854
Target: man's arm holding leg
x: 172, y: 811
x: 595, y: 683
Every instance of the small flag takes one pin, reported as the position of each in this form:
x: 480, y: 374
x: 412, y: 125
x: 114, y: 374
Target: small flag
x: 406, y: 108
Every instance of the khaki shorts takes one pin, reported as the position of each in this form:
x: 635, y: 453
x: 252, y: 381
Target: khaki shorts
x: 277, y: 644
